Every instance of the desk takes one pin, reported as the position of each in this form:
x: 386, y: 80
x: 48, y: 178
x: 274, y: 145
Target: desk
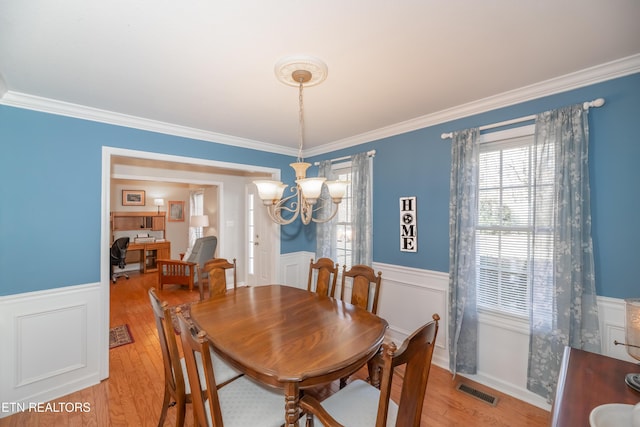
x: 588, y: 380
x: 288, y: 337
x: 149, y: 253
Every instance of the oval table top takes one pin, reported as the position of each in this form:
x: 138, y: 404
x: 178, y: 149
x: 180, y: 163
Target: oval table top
x: 281, y: 334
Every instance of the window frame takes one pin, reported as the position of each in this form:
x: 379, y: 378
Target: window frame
x: 517, y: 321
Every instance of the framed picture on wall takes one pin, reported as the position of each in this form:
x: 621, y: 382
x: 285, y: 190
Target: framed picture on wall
x: 133, y: 198
x: 176, y: 210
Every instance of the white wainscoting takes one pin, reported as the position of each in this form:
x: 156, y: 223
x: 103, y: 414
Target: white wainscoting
x: 51, y: 344
x: 409, y: 297
x: 52, y: 339
x: 294, y: 269
x: 611, y: 313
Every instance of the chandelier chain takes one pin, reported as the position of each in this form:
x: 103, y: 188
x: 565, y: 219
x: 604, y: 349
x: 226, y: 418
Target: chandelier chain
x: 301, y: 121
x: 306, y: 196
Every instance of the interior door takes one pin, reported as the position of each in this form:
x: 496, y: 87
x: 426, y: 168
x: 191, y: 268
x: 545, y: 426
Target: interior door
x: 261, y: 239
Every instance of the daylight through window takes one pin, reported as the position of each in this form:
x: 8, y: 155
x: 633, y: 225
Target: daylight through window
x: 505, y: 256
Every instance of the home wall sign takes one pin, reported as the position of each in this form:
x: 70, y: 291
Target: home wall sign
x: 408, y: 225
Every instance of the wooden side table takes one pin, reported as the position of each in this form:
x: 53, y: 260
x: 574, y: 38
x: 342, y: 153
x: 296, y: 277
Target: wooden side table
x: 588, y: 380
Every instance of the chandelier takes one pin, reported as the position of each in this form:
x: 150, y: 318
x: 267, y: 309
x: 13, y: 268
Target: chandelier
x: 300, y: 71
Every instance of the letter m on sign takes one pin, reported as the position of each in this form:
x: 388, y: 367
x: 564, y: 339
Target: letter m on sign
x: 408, y: 225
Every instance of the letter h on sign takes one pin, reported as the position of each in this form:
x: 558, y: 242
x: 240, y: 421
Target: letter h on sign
x: 408, y: 225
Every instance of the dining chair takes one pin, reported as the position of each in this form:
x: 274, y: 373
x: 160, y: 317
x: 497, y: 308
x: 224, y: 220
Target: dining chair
x: 176, y: 383
x: 213, y: 274
x: 361, y: 404
x: 241, y: 403
x: 365, y: 290
x: 326, y: 276
x: 364, y: 281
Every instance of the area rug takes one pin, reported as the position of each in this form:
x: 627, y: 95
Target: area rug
x: 119, y: 335
x: 186, y: 312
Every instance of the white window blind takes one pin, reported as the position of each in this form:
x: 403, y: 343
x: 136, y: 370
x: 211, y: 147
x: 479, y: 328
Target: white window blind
x: 505, y: 256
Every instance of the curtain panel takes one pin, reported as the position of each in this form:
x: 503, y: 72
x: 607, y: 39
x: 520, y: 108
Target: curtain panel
x: 463, y: 315
x: 325, y: 232
x: 362, y: 212
x: 563, y: 306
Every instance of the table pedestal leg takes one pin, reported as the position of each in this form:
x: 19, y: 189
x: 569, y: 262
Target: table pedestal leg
x: 291, y: 404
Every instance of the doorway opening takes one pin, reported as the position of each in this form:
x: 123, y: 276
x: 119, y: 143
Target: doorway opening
x: 229, y: 178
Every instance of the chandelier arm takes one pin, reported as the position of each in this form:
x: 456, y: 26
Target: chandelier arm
x: 333, y: 214
x: 282, y: 203
x: 274, y: 214
x: 306, y: 212
x: 275, y: 211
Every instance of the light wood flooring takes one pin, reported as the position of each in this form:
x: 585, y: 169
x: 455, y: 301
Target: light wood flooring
x: 132, y: 395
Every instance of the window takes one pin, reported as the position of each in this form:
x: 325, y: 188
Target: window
x: 505, y: 256
x: 196, y: 207
x: 343, y: 218
x: 251, y: 233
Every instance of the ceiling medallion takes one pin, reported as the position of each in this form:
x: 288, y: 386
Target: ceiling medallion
x: 285, y: 68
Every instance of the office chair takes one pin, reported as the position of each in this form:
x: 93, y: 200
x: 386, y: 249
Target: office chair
x: 118, y: 254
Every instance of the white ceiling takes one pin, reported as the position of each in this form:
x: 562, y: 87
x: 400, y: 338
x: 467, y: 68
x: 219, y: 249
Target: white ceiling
x: 208, y: 65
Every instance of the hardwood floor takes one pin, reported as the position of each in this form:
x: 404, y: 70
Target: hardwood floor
x: 132, y: 395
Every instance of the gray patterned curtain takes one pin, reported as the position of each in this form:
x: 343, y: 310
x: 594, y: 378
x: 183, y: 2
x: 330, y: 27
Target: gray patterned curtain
x: 564, y: 307
x: 463, y: 316
x: 362, y: 220
x: 325, y: 232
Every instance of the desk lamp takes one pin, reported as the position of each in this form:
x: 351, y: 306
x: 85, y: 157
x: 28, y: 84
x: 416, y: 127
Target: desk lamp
x: 158, y: 203
x: 632, y: 308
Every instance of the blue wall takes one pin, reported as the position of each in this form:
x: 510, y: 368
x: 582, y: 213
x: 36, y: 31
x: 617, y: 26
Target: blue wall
x: 50, y: 189
x: 50, y: 192
x: 418, y: 164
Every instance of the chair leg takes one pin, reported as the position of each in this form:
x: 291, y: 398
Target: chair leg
x: 115, y: 276
x: 309, y: 422
x: 182, y: 408
x: 374, y: 368
x: 343, y: 382
x: 165, y: 407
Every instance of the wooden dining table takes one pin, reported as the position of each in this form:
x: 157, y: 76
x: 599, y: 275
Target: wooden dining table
x: 289, y: 338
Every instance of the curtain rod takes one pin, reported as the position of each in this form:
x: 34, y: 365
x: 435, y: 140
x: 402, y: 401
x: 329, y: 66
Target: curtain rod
x: 371, y: 153
x: 585, y: 105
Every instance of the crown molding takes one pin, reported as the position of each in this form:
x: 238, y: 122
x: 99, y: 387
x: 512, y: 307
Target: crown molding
x: 599, y: 73
x: 46, y: 105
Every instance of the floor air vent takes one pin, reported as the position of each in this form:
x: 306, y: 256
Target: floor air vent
x: 485, y: 397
